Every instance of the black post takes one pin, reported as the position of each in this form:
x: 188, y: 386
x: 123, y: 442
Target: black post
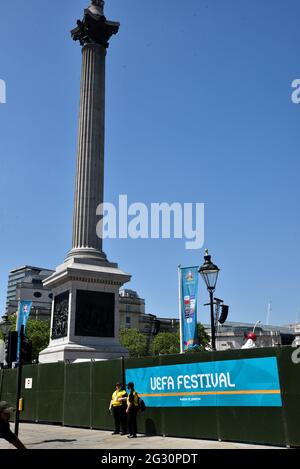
x: 7, y: 354
x: 19, y: 383
x: 212, y: 320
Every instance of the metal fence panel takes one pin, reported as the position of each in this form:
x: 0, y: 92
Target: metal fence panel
x: 105, y: 375
x: 77, y: 395
x: 30, y: 396
x: 250, y: 424
x: 9, y: 386
x: 150, y: 421
x: 289, y: 372
x: 50, y: 397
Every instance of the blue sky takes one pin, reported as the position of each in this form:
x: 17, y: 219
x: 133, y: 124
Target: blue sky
x: 198, y: 110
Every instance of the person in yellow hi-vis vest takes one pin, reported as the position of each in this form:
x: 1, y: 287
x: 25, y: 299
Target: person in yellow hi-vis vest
x: 132, y: 410
x: 118, y: 408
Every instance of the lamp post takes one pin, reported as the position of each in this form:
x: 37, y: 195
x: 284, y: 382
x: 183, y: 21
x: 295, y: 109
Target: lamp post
x: 209, y: 273
x: 255, y: 325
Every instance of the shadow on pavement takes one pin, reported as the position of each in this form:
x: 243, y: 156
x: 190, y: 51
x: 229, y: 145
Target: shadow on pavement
x: 58, y: 440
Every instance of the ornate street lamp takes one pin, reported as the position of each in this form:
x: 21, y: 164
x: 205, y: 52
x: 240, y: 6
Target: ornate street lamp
x: 209, y: 273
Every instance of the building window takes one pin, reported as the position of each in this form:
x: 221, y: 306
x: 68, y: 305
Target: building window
x: 36, y: 282
x: 37, y: 294
x: 128, y: 322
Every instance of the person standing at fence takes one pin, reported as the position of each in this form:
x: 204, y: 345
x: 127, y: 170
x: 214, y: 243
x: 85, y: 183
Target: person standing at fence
x: 5, y: 431
x: 132, y: 410
x: 118, y: 408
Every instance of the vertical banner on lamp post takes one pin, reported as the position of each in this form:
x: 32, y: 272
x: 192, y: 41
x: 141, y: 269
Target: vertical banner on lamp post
x: 22, y: 318
x: 188, y: 290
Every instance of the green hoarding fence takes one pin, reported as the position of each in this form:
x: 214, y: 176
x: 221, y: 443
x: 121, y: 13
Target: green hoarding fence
x: 8, y: 386
x: 104, y: 378
x: 50, y: 393
x: 78, y: 395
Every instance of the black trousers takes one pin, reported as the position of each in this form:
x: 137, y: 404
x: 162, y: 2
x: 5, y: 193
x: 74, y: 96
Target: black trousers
x: 119, y: 413
x: 132, y: 413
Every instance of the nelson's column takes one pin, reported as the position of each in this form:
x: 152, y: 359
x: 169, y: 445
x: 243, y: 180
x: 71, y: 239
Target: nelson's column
x: 85, y: 307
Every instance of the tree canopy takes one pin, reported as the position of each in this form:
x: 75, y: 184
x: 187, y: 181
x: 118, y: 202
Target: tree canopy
x: 165, y: 343
x: 168, y: 343
x: 134, y: 341
x: 37, y: 331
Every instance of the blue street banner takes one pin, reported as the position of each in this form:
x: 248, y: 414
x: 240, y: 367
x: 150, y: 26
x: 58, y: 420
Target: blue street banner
x: 22, y: 318
x: 188, y: 293
x: 23, y: 314
x: 251, y: 382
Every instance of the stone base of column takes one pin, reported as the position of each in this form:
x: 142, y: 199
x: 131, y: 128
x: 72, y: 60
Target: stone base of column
x: 85, y: 311
x: 87, y: 255
x: 74, y: 353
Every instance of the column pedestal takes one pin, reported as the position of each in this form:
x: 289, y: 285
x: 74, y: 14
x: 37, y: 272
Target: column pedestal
x: 85, y: 312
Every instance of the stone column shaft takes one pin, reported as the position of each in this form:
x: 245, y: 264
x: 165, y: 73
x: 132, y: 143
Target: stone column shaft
x: 90, y: 157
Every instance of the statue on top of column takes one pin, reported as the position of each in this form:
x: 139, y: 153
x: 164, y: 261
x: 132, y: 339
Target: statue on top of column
x: 97, y: 7
x: 94, y: 28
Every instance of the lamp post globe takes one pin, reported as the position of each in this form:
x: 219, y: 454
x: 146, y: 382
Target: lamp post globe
x: 209, y: 272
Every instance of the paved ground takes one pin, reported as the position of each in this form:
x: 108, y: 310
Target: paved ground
x: 55, y: 437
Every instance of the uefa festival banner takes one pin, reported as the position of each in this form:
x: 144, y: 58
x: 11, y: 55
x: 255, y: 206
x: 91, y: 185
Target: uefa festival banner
x: 188, y: 278
x: 22, y: 318
x: 251, y: 382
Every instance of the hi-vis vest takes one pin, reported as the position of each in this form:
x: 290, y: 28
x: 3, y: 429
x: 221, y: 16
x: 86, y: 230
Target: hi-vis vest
x: 116, y: 396
x: 135, y: 399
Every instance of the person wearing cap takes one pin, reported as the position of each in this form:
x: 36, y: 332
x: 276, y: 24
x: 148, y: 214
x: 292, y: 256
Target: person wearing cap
x: 5, y: 431
x: 118, y: 408
x: 132, y: 410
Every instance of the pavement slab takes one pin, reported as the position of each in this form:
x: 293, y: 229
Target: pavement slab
x: 37, y: 436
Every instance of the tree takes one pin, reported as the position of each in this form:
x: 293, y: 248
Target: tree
x: 167, y: 343
x: 39, y: 333
x: 204, y: 339
x: 36, y: 331
x: 134, y: 341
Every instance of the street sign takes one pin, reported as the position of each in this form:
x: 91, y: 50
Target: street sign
x: 28, y: 383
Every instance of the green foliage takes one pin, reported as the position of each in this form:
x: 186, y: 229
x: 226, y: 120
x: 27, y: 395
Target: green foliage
x: 165, y: 343
x: 37, y: 331
x: 204, y: 339
x: 1, y: 335
x: 168, y: 343
x: 13, y: 321
x: 134, y: 341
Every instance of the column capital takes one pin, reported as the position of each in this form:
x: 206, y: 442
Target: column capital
x: 94, y: 29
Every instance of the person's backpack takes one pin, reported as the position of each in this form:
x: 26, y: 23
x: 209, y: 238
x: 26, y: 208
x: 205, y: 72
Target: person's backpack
x: 142, y: 405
